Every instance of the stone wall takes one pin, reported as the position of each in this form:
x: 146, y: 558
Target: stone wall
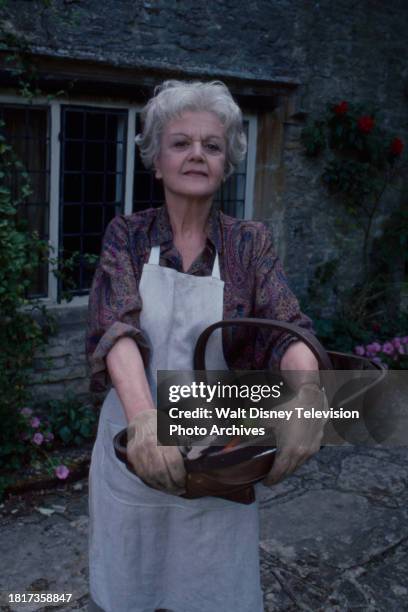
x: 306, y: 53
x: 345, y: 51
x: 61, y: 368
x: 325, y: 51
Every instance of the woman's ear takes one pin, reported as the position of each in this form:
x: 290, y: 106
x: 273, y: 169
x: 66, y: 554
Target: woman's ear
x: 226, y: 172
x: 156, y: 168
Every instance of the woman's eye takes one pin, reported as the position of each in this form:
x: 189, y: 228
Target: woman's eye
x: 211, y: 146
x: 180, y: 144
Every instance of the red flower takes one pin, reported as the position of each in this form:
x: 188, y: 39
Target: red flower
x: 365, y: 124
x: 397, y: 146
x: 342, y: 108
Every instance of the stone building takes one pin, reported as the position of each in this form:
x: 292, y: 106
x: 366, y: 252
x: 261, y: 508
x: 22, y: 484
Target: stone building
x: 95, y: 63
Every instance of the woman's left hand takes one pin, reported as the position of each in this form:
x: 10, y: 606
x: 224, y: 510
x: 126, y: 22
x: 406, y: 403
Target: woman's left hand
x: 298, y: 438
x: 161, y: 467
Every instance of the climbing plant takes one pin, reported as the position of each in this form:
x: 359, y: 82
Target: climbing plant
x: 25, y: 323
x: 21, y: 334
x: 362, y: 160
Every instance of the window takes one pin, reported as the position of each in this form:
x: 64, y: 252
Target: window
x: 93, y: 148
x: 27, y: 131
x: 231, y: 195
x: 84, y: 169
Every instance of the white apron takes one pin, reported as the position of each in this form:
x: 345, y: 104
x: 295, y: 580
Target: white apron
x: 149, y: 549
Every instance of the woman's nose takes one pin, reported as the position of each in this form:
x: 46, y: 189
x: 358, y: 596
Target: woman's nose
x: 196, y: 151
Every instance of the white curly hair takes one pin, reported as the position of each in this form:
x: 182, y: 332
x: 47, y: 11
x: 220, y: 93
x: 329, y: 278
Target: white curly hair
x: 172, y: 98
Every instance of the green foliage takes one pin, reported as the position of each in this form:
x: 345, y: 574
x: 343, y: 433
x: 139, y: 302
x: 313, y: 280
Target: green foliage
x: 48, y: 427
x: 314, y: 138
x: 392, y: 248
x: 65, y: 268
x: 340, y: 334
x: 361, y: 159
x: 18, y: 56
x: 25, y: 325
x: 351, y: 324
x: 354, y: 180
x: 5, y: 481
x: 362, y: 314
x: 71, y: 421
x: 323, y: 275
x: 20, y: 334
x: 360, y: 319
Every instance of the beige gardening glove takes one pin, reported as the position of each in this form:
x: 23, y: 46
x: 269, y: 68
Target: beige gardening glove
x: 161, y: 467
x: 298, y: 438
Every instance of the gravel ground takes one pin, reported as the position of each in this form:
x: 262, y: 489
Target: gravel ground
x: 334, y: 537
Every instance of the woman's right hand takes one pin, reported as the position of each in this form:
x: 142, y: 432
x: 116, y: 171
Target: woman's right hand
x: 161, y: 467
x: 297, y: 438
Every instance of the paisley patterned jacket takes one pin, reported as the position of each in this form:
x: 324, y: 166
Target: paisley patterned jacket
x: 255, y: 286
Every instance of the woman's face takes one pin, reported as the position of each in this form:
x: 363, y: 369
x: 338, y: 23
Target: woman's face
x: 191, y: 161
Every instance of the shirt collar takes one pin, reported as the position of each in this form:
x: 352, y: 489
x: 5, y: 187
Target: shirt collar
x: 161, y: 231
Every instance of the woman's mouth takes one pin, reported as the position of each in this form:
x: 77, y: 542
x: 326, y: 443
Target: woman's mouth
x: 195, y: 173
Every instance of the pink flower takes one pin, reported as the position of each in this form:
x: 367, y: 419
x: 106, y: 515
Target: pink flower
x: 61, y: 472
x: 388, y: 348
x: 26, y: 411
x: 49, y: 436
x: 377, y: 360
x: 396, y: 342
x: 37, y: 438
x: 374, y: 348
x: 35, y: 422
x: 404, y: 340
x: 359, y: 350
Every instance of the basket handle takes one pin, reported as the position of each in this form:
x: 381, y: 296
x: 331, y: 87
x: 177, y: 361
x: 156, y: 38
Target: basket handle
x: 305, y: 336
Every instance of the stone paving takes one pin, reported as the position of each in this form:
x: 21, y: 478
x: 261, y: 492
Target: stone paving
x: 334, y: 537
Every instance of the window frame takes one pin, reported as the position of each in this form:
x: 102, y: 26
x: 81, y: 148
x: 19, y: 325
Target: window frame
x: 54, y: 127
x: 91, y: 109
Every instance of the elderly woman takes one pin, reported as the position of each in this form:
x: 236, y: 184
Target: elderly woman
x: 164, y: 275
